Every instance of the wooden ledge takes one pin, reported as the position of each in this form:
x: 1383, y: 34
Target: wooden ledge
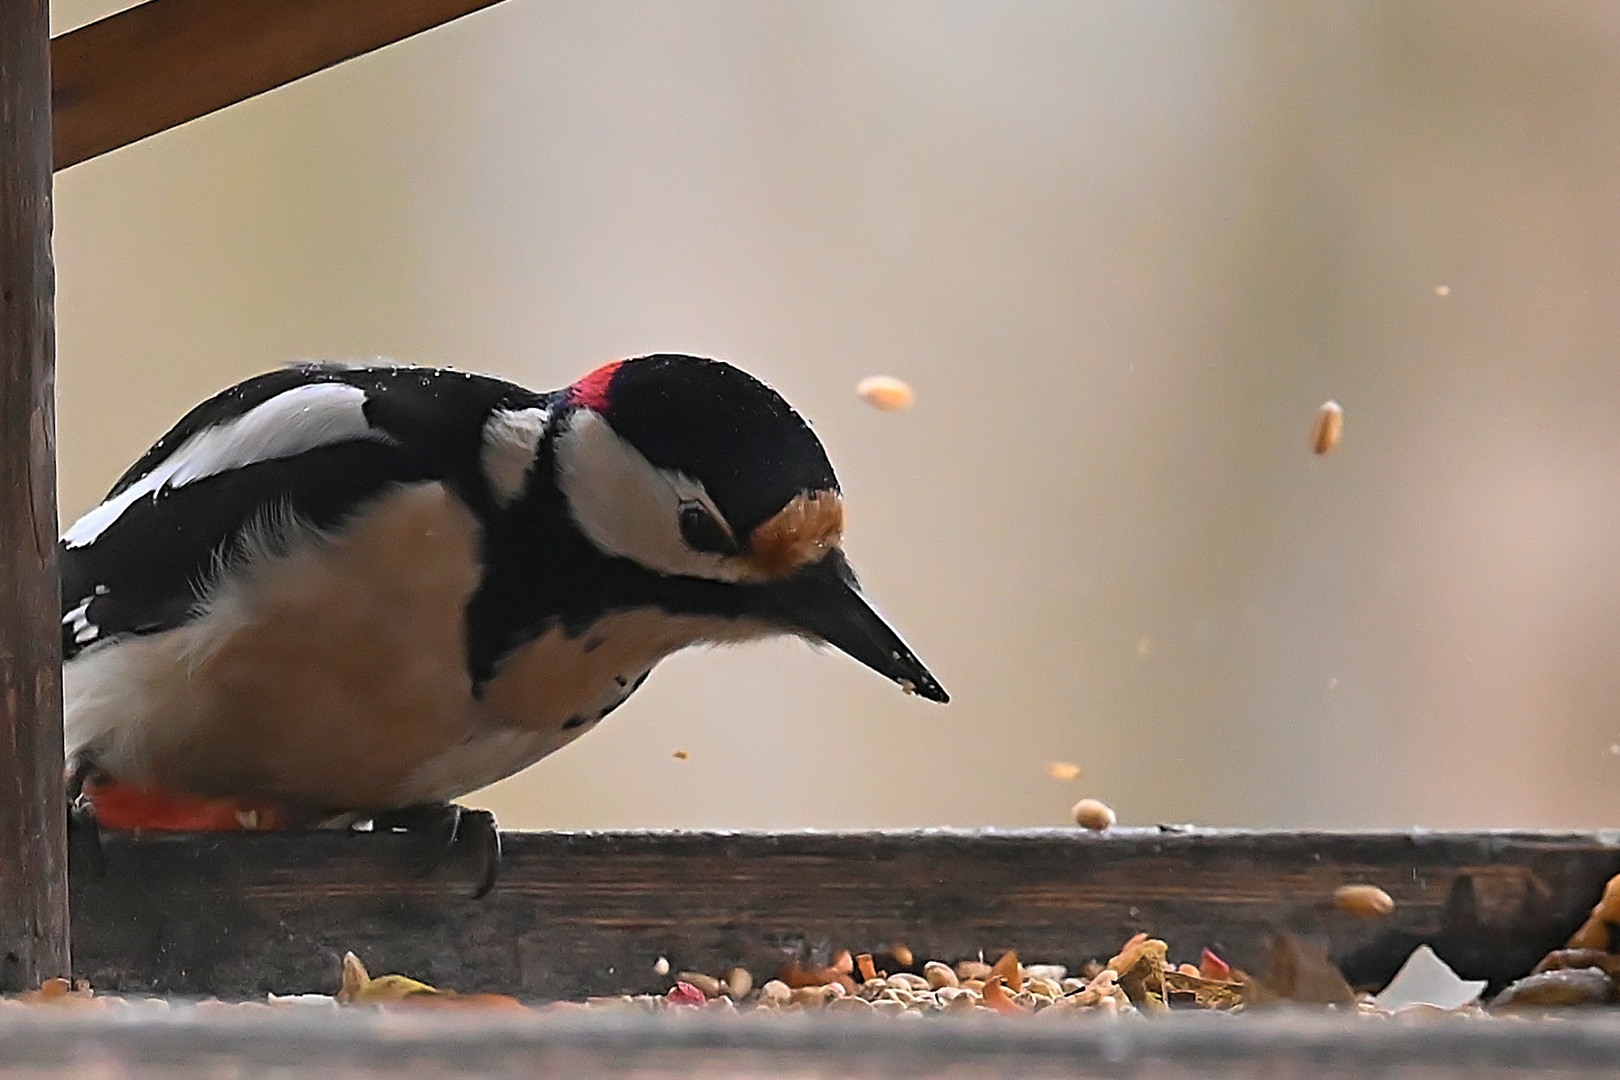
x: 188, y: 1042
x: 574, y: 914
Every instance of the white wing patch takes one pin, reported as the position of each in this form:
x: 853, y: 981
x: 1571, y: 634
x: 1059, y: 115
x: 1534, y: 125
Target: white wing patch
x: 78, y: 619
x: 511, y: 440
x: 300, y: 419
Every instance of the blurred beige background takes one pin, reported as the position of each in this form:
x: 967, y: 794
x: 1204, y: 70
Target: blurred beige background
x: 1122, y: 250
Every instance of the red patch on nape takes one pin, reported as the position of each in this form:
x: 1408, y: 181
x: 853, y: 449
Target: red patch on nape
x: 592, y: 390
x: 124, y: 806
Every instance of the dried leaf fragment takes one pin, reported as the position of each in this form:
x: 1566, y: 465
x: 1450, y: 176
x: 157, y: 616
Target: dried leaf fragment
x: 1560, y: 988
x: 684, y: 993
x: 885, y: 393
x: 1208, y: 993
x: 1363, y: 901
x: 995, y: 997
x: 1140, y: 969
x: 1213, y: 967
x: 1328, y: 427
x: 1579, y: 958
x: 359, y: 988
x: 1008, y: 971
x: 1300, y: 970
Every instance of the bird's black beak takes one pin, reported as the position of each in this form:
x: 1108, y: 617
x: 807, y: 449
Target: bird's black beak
x: 822, y: 600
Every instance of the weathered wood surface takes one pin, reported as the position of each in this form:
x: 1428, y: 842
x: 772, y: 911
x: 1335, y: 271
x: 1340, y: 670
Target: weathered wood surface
x: 590, y: 913
x: 187, y: 1043
x: 164, y: 62
x: 33, y: 862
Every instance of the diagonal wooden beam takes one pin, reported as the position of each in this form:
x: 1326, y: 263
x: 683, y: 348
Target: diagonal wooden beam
x: 157, y: 65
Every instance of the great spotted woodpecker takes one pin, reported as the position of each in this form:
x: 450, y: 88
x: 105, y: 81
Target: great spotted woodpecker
x: 342, y: 590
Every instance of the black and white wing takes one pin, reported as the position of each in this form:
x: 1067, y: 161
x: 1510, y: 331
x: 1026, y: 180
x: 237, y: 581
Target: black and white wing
x: 309, y: 444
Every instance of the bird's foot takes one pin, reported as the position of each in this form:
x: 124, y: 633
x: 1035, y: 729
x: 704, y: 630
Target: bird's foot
x: 83, y: 827
x: 444, y: 826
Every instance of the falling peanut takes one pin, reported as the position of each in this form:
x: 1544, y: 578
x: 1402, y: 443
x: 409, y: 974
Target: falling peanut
x: 1328, y: 427
x: 1365, y: 901
x: 885, y: 393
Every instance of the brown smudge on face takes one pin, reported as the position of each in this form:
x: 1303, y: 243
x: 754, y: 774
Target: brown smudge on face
x: 799, y: 534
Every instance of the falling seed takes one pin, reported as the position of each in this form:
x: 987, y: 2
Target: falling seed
x: 1442, y: 290
x: 1094, y: 815
x: 1328, y: 427
x: 1063, y: 770
x: 681, y: 755
x: 885, y: 393
x: 1366, y: 901
x: 1143, y: 644
x: 662, y: 966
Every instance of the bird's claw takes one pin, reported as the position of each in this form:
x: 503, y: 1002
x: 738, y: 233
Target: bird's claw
x: 83, y: 827
x: 442, y: 827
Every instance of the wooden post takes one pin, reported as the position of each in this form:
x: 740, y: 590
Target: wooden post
x: 33, y: 825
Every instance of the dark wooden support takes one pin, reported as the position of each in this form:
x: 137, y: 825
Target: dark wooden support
x: 590, y: 913
x: 157, y: 65
x: 33, y: 856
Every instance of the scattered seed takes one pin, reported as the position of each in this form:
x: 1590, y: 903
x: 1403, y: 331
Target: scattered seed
x: 706, y: 983
x: 973, y: 969
x: 1094, y: 815
x: 885, y: 393
x: 1063, y: 770
x: 940, y: 975
x: 1328, y: 427
x: 661, y: 966
x: 681, y: 755
x: 1366, y: 901
x: 739, y: 983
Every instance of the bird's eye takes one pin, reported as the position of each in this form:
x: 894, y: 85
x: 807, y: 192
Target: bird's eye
x: 703, y: 533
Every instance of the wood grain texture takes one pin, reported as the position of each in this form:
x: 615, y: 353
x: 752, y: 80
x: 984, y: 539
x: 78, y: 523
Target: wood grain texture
x: 590, y: 913
x: 33, y: 859
x: 164, y: 62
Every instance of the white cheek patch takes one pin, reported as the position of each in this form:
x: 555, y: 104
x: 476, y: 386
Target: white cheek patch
x: 511, y: 440
x: 629, y: 508
x: 300, y: 419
